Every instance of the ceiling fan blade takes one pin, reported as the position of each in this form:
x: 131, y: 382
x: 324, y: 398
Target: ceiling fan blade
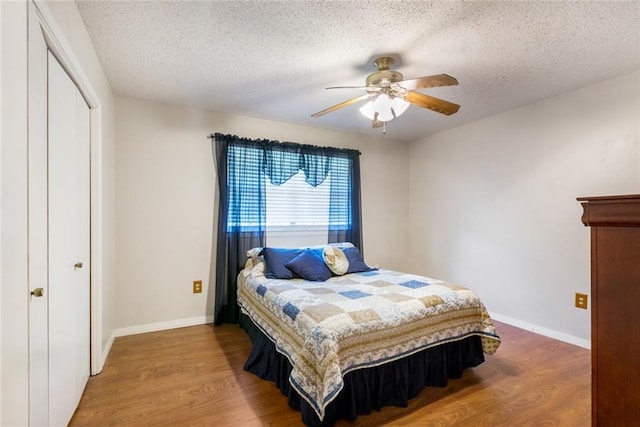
x: 428, y: 81
x: 434, y: 104
x: 341, y: 105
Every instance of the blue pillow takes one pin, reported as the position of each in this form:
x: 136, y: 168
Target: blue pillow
x: 310, y: 266
x: 275, y: 260
x: 356, y: 263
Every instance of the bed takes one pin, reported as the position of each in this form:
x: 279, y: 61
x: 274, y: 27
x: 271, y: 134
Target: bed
x: 367, y: 338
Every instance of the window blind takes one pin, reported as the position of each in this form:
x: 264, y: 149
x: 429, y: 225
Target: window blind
x: 296, y: 203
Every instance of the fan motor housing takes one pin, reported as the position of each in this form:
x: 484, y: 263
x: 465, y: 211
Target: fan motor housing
x: 383, y: 78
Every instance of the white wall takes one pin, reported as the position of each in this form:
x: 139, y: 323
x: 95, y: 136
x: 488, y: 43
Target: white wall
x: 493, y: 203
x: 69, y: 29
x: 14, y: 295
x: 166, y: 191
x: 1, y: 101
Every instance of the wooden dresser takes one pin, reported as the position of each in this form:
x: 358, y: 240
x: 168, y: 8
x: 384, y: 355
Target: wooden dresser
x: 615, y: 308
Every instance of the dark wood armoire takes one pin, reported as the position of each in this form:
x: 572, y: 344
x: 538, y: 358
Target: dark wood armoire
x: 615, y: 308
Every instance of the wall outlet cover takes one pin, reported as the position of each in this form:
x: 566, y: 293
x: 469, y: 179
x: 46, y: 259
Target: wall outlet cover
x: 197, y: 286
x: 581, y: 300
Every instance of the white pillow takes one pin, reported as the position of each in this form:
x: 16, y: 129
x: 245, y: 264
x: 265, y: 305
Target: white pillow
x: 335, y: 259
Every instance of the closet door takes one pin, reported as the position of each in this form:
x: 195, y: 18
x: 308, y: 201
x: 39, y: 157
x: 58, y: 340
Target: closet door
x: 83, y: 245
x: 68, y: 231
x: 38, y: 226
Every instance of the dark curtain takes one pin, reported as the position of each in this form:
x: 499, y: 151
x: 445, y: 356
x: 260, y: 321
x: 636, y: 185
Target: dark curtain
x: 241, y: 217
x: 345, y: 206
x: 241, y: 165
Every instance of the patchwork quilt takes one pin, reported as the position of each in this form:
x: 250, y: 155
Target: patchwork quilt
x: 327, y: 329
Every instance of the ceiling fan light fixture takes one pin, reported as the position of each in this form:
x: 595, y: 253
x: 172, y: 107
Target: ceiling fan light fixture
x: 382, y: 105
x: 386, y: 107
x: 368, y: 110
x: 399, y: 106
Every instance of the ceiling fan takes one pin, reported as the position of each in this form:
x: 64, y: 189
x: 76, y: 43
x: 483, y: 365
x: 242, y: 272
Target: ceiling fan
x: 389, y: 95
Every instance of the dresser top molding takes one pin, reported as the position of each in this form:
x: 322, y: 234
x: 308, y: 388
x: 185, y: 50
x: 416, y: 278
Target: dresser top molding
x: 611, y: 211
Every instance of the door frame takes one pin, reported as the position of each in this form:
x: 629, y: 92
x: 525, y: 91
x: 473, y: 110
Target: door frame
x: 60, y: 48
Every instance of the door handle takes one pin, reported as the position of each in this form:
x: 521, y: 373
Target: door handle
x: 77, y: 265
x: 37, y: 292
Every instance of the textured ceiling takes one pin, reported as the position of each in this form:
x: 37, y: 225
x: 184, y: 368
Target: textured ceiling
x: 273, y: 60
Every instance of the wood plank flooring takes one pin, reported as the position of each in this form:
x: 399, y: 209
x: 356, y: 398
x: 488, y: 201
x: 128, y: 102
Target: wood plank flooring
x: 194, y: 377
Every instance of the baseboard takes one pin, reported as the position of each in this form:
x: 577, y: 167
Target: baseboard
x: 560, y: 336
x: 106, y: 350
x: 163, y: 326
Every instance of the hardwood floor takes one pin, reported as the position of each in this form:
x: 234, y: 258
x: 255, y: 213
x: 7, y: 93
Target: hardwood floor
x: 194, y: 377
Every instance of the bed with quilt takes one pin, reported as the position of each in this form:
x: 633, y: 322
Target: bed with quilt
x: 340, y: 338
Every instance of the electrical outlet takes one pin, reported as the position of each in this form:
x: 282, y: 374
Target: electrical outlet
x: 197, y: 286
x: 581, y: 300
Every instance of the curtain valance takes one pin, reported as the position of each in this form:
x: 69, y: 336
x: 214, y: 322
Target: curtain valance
x: 282, y: 160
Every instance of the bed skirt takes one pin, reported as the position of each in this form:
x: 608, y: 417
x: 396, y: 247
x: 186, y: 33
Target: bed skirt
x: 391, y: 384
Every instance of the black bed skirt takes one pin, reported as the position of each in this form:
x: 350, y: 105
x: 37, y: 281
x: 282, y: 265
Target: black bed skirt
x: 391, y: 384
